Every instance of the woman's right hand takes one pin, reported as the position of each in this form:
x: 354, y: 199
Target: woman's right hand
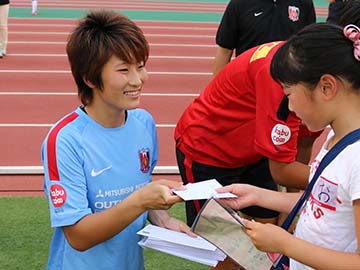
x: 158, y: 194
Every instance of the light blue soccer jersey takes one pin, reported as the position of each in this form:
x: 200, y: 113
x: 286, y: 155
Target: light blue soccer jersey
x: 89, y: 168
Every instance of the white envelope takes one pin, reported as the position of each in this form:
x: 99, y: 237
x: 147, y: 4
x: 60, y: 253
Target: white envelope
x: 202, y: 191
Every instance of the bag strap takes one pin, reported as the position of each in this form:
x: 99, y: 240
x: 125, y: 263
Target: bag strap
x: 350, y: 138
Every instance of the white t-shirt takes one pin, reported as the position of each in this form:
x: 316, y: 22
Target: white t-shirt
x: 327, y: 219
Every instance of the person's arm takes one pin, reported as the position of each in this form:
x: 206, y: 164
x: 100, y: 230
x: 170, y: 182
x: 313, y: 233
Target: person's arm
x: 222, y: 57
x: 249, y: 195
x: 227, y: 35
x: 101, y: 226
x: 294, y: 174
x: 317, y: 257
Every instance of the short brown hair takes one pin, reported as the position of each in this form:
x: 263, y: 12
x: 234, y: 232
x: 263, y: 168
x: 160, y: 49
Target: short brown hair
x: 98, y: 36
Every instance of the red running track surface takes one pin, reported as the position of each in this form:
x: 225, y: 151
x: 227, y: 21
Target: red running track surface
x: 36, y: 86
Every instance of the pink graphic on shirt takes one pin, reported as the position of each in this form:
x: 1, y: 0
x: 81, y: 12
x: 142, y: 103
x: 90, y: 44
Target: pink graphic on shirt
x: 324, y: 193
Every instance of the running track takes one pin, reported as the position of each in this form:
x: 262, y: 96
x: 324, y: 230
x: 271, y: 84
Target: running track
x: 36, y: 86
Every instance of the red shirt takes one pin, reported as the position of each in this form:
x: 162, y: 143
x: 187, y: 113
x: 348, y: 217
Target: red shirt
x: 234, y: 121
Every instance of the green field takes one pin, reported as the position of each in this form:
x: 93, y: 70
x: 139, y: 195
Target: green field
x: 25, y: 235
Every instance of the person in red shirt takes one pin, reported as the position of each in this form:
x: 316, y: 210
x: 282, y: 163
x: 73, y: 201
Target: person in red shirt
x: 239, y: 130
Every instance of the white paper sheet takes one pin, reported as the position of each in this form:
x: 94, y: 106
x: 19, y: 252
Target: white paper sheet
x: 181, y: 245
x: 202, y: 190
x: 156, y: 232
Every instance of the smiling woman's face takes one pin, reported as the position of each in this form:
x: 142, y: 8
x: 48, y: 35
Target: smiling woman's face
x: 122, y: 84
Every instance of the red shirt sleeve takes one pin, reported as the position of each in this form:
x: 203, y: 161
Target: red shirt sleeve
x: 274, y: 138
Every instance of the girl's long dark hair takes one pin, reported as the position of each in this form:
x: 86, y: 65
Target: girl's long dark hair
x: 316, y: 50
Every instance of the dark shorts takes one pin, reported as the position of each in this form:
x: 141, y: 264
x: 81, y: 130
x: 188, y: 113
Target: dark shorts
x: 257, y: 174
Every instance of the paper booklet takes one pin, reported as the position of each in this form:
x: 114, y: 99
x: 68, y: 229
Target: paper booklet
x: 180, y: 244
x: 223, y: 227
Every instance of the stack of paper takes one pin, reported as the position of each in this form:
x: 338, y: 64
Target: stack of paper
x: 180, y: 244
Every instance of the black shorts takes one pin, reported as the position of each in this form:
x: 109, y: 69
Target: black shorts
x: 257, y: 174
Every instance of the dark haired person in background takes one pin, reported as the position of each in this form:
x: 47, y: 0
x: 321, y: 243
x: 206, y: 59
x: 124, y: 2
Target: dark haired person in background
x: 246, y: 24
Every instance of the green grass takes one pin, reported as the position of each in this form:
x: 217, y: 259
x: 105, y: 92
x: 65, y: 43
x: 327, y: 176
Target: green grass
x: 25, y: 235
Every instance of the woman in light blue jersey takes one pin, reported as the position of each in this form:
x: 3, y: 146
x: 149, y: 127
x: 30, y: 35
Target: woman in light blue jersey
x: 99, y: 158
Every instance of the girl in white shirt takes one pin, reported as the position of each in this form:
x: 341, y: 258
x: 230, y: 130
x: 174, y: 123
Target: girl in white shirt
x: 319, y: 69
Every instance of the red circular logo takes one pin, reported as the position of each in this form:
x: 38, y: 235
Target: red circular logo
x: 58, y: 195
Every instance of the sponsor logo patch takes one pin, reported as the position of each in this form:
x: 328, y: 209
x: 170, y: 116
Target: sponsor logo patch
x: 280, y: 134
x: 58, y: 195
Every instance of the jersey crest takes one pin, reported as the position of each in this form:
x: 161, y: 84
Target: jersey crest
x: 144, y: 155
x: 294, y: 13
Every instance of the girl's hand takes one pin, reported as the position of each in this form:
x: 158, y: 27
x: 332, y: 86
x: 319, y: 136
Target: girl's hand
x: 247, y: 195
x: 267, y: 237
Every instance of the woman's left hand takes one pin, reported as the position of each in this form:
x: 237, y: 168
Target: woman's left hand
x: 177, y: 225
